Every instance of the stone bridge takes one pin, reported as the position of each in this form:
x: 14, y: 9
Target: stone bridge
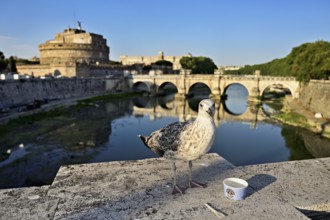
x: 217, y: 83
x: 182, y: 109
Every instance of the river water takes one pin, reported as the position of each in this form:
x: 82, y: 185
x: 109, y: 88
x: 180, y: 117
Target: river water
x: 32, y: 153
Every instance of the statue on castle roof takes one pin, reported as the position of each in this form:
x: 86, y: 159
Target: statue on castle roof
x: 79, y: 25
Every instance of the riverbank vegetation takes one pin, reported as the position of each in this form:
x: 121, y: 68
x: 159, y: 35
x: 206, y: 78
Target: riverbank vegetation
x: 198, y: 65
x: 279, y: 110
x: 305, y: 62
x: 110, y: 97
x: 295, y: 119
x: 292, y: 118
x: 284, y: 112
x: 7, y: 64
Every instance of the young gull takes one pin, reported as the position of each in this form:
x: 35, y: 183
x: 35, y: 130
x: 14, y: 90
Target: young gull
x: 186, y: 141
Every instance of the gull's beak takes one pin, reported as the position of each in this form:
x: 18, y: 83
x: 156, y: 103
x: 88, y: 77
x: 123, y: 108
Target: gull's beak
x: 209, y: 111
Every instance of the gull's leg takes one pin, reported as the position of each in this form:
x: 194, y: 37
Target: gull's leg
x: 176, y: 189
x: 193, y: 183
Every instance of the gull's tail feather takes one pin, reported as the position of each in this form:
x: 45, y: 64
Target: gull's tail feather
x: 158, y: 151
x: 144, y: 140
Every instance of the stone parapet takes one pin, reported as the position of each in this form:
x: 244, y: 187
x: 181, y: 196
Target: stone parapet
x: 142, y: 190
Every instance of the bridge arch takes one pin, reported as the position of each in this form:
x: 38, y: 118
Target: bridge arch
x: 235, y: 83
x: 236, y: 98
x: 285, y: 85
x: 167, y: 88
x: 199, y: 88
x: 142, y: 86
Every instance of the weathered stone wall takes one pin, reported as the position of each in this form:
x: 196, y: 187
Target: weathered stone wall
x: 15, y: 93
x: 36, y: 70
x: 42, y: 70
x: 76, y: 70
x: 316, y: 97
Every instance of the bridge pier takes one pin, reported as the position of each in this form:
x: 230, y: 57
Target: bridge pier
x: 254, y: 92
x: 254, y: 95
x: 215, y: 93
x: 180, y: 96
x: 215, y: 96
x: 254, y: 99
x: 181, y: 84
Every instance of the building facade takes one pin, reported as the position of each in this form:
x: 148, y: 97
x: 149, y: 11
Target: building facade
x: 148, y: 60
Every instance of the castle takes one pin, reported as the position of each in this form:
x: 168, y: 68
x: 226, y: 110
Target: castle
x: 74, y: 46
x: 73, y: 52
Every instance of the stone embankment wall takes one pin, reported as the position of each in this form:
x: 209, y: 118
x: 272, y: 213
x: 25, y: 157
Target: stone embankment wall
x: 315, y: 96
x: 16, y: 93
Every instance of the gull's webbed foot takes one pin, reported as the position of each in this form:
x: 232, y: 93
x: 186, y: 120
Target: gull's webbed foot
x: 194, y: 184
x: 178, y: 190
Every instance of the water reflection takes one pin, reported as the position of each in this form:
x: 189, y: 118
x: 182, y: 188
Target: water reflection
x: 236, y: 102
x: 107, y: 131
x: 295, y: 142
x: 186, y: 109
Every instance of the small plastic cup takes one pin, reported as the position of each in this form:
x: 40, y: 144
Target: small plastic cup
x: 235, y: 188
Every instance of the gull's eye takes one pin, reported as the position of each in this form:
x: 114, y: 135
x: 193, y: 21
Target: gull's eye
x: 201, y: 105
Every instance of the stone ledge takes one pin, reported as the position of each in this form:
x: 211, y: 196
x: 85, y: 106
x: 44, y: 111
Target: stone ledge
x: 142, y: 190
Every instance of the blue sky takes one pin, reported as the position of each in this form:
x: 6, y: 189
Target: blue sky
x: 231, y: 32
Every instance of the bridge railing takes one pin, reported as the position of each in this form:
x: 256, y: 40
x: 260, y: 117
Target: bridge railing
x: 236, y: 77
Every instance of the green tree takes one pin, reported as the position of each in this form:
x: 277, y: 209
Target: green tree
x: 146, y: 68
x: 12, y: 65
x: 163, y: 63
x: 310, y: 61
x: 3, y: 62
x: 113, y: 62
x: 198, y: 65
x: 305, y: 62
x: 2, y: 56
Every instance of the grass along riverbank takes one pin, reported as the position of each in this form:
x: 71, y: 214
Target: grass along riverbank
x: 292, y: 113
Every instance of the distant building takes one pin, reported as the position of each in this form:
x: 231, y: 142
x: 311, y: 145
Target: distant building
x: 148, y: 60
x: 34, y: 59
x: 230, y: 67
x: 71, y: 53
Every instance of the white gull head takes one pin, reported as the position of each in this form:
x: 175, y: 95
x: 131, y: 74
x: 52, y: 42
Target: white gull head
x: 206, y: 108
